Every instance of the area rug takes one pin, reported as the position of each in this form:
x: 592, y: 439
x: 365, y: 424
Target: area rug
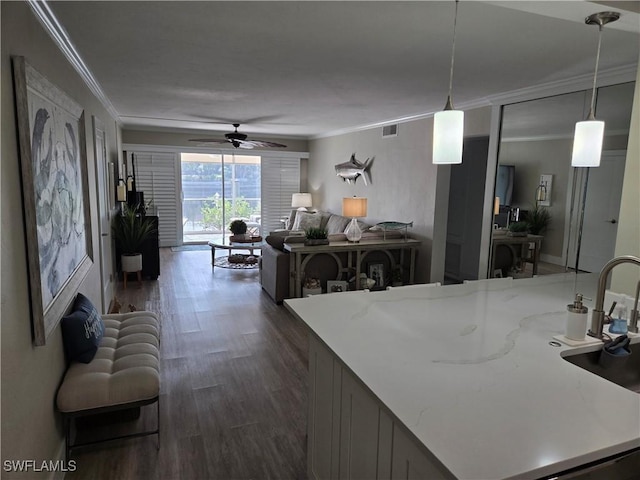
x: 190, y: 248
x: 223, y: 262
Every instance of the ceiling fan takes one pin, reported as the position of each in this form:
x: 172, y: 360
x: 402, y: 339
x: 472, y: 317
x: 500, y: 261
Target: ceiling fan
x: 239, y: 140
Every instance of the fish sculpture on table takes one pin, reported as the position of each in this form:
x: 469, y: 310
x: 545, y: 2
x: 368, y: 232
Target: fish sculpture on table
x: 351, y: 170
x: 392, y: 226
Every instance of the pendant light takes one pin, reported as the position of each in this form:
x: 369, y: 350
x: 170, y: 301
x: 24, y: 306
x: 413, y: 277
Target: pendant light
x: 448, y: 125
x: 589, y: 134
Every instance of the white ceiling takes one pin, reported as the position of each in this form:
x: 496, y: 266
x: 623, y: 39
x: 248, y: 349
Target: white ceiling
x: 305, y: 69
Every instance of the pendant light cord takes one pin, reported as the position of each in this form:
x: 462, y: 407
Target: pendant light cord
x: 449, y: 105
x: 592, y: 106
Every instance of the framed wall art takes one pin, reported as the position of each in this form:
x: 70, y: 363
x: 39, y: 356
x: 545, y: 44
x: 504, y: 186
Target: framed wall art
x: 55, y: 195
x: 376, y: 272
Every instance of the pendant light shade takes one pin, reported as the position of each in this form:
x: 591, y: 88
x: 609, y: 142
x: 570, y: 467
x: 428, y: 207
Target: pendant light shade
x: 448, y: 130
x: 589, y: 134
x: 587, y: 144
x: 448, y: 125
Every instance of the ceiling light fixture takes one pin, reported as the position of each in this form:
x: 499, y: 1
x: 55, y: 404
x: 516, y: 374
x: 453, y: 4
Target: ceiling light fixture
x: 448, y: 125
x: 589, y: 134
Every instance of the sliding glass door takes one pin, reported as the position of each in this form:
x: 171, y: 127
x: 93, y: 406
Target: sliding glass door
x: 217, y: 189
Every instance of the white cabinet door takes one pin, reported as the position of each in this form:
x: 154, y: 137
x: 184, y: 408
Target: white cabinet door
x: 411, y: 462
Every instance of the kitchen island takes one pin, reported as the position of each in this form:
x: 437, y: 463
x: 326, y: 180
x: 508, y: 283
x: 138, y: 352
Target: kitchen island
x: 457, y: 381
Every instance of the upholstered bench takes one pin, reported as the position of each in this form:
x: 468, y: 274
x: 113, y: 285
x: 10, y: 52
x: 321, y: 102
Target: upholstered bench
x: 124, y: 372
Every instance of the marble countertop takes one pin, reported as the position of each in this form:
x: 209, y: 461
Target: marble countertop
x: 469, y: 370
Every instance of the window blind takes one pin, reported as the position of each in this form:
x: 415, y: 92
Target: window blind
x: 157, y: 175
x: 280, y: 178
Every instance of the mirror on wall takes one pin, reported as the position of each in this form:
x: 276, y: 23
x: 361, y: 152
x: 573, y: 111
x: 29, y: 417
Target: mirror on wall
x: 571, y: 213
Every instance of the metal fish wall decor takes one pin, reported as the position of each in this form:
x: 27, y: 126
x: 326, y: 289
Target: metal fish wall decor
x: 351, y: 170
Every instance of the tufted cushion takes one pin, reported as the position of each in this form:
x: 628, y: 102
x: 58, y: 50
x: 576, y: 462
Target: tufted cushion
x: 125, y: 369
x: 306, y: 220
x: 82, y: 330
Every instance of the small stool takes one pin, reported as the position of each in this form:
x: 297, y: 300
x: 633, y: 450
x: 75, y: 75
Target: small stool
x: 124, y: 275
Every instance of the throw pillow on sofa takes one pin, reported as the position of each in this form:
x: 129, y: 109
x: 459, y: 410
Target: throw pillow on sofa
x: 82, y: 331
x: 306, y: 220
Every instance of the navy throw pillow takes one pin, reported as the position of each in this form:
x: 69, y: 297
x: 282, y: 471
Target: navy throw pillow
x: 82, y: 331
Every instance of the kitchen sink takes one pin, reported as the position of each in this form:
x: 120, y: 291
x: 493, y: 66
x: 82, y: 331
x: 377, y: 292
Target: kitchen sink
x: 626, y: 374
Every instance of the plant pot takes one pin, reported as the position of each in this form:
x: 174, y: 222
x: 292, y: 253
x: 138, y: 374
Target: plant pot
x: 131, y: 262
x: 316, y: 241
x: 517, y: 234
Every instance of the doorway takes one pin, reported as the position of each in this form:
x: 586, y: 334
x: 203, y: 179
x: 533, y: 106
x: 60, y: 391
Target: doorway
x: 217, y: 189
x: 602, y: 206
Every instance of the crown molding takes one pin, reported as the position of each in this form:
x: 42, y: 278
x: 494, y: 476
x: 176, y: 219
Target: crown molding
x: 612, y: 76
x: 143, y: 147
x: 61, y: 38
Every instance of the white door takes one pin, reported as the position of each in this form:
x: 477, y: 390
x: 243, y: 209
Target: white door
x: 600, y: 228
x: 104, y: 210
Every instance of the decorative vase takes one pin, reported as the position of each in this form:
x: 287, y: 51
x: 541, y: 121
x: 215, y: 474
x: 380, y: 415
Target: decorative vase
x: 131, y: 262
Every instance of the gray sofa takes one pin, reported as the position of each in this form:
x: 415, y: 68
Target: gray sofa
x: 274, y: 263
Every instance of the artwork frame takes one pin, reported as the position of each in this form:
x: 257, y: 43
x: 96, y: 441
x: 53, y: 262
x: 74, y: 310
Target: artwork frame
x: 376, y: 272
x: 55, y: 195
x: 337, y: 286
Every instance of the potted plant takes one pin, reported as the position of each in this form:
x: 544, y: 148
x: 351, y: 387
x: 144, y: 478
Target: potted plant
x: 239, y: 229
x: 316, y: 236
x: 538, y: 220
x: 130, y: 231
x: 518, y: 229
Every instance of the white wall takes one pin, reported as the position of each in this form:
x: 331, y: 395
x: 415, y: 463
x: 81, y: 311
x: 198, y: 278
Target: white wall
x: 405, y: 187
x: 626, y: 277
x: 31, y: 427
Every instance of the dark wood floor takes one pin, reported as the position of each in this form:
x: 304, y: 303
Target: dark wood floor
x: 233, y: 400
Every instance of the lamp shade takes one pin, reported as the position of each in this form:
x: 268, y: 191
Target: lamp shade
x: 496, y: 206
x: 448, y: 130
x: 354, y: 207
x: 301, y: 200
x: 587, y: 143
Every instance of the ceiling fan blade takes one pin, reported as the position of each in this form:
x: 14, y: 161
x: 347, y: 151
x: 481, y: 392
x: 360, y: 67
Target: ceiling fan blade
x: 208, y: 140
x: 265, y: 144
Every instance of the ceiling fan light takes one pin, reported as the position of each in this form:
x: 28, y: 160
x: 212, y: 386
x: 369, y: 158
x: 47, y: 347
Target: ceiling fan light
x: 448, y: 132
x: 587, y: 143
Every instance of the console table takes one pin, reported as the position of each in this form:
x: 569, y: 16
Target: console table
x: 523, y: 242
x: 300, y: 254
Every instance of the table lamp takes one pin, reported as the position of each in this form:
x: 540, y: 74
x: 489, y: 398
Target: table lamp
x: 301, y: 201
x: 354, y: 207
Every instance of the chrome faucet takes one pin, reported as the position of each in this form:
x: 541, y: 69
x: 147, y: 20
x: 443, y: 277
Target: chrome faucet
x: 597, y: 316
x: 633, y: 317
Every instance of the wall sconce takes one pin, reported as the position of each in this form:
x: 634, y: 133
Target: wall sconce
x: 121, y: 191
x: 354, y: 207
x: 589, y: 134
x: 448, y: 125
x: 543, y: 191
x: 496, y: 206
x: 301, y: 201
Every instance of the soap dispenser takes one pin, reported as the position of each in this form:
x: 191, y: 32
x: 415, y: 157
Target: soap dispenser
x: 619, y: 320
x: 576, y: 327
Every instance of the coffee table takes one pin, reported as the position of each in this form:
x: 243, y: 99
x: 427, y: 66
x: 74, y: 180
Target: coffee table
x: 233, y: 246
